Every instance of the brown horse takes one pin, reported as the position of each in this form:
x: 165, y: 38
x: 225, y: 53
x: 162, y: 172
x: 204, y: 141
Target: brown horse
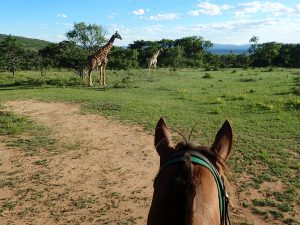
x: 189, y: 187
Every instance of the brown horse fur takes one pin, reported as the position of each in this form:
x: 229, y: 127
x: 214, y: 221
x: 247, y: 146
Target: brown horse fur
x: 184, y: 193
x: 99, y: 59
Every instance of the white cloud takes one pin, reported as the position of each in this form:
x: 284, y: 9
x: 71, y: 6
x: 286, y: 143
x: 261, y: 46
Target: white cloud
x: 153, y: 28
x: 272, y: 8
x: 234, y: 26
x: 165, y: 16
x: 139, y: 12
x: 209, y: 9
x: 62, y: 15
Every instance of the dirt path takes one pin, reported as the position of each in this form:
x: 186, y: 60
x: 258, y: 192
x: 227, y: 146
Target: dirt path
x: 108, y: 180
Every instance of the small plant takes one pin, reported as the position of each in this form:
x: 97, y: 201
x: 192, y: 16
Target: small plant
x: 207, y: 76
x: 276, y: 214
x: 264, y: 202
x: 265, y: 106
x: 248, y: 80
x: 33, y: 144
x: 42, y: 162
x: 285, y: 207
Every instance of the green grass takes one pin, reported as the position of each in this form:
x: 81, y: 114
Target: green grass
x: 25, y: 134
x: 12, y: 124
x: 262, y: 105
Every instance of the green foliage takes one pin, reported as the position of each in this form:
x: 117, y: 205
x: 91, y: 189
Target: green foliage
x: 87, y: 36
x: 274, y: 54
x: 122, y: 58
x: 11, y: 54
x: 27, y: 43
x: 184, y: 52
x: 65, y: 54
x: 194, y: 49
x: 173, y: 57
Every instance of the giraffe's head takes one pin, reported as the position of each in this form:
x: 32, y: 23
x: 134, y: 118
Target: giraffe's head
x: 117, y: 35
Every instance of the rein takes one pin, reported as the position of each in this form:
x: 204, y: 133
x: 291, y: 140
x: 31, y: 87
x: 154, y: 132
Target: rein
x: 199, y: 159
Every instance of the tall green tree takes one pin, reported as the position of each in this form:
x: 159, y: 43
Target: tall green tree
x: 195, y: 48
x: 89, y: 36
x: 266, y: 54
x: 11, y: 54
x: 72, y: 56
x: 254, y: 43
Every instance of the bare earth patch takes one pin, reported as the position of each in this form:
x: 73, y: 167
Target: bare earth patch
x: 106, y: 180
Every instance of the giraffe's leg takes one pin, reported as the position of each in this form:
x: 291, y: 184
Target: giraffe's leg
x: 149, y: 66
x: 104, y: 75
x: 90, y: 77
x: 100, y: 74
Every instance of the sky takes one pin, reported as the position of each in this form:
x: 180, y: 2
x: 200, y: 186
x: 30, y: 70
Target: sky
x: 221, y: 22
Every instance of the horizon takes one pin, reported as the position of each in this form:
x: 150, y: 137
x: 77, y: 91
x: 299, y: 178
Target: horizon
x: 230, y: 23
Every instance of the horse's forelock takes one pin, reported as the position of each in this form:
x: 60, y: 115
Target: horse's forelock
x: 188, y: 177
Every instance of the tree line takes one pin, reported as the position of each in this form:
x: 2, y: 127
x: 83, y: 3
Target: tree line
x: 192, y: 52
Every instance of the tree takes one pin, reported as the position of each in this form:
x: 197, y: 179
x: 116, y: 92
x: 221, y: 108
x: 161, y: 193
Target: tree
x: 30, y: 60
x: 195, y: 48
x: 295, y: 55
x: 145, y: 50
x: 87, y: 36
x: 65, y: 54
x: 49, y: 56
x: 122, y: 58
x: 72, y: 57
x: 173, y: 57
x: 211, y: 62
x: 254, y: 43
x: 266, y: 54
x: 11, y: 54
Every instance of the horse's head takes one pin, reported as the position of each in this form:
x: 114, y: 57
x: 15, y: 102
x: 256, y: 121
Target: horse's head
x: 189, y: 187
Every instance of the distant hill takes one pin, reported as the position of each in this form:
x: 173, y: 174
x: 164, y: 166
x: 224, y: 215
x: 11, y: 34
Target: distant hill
x: 28, y: 43
x: 221, y: 49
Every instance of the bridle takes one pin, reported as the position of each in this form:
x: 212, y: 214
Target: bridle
x: 199, y: 159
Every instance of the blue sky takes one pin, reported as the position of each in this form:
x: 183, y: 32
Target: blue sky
x: 222, y: 22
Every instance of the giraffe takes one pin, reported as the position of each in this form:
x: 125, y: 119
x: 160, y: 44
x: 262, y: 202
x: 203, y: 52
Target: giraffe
x: 99, y: 58
x: 153, y: 60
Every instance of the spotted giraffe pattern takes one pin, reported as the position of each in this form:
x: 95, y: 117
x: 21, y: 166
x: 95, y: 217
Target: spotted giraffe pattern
x: 99, y: 59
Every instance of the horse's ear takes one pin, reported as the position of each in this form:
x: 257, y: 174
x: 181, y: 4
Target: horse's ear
x: 162, y: 140
x: 223, y: 141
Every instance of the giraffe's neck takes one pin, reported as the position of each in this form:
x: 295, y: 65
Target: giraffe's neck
x: 156, y: 54
x: 106, y: 48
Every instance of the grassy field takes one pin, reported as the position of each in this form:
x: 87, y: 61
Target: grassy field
x: 261, y: 104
